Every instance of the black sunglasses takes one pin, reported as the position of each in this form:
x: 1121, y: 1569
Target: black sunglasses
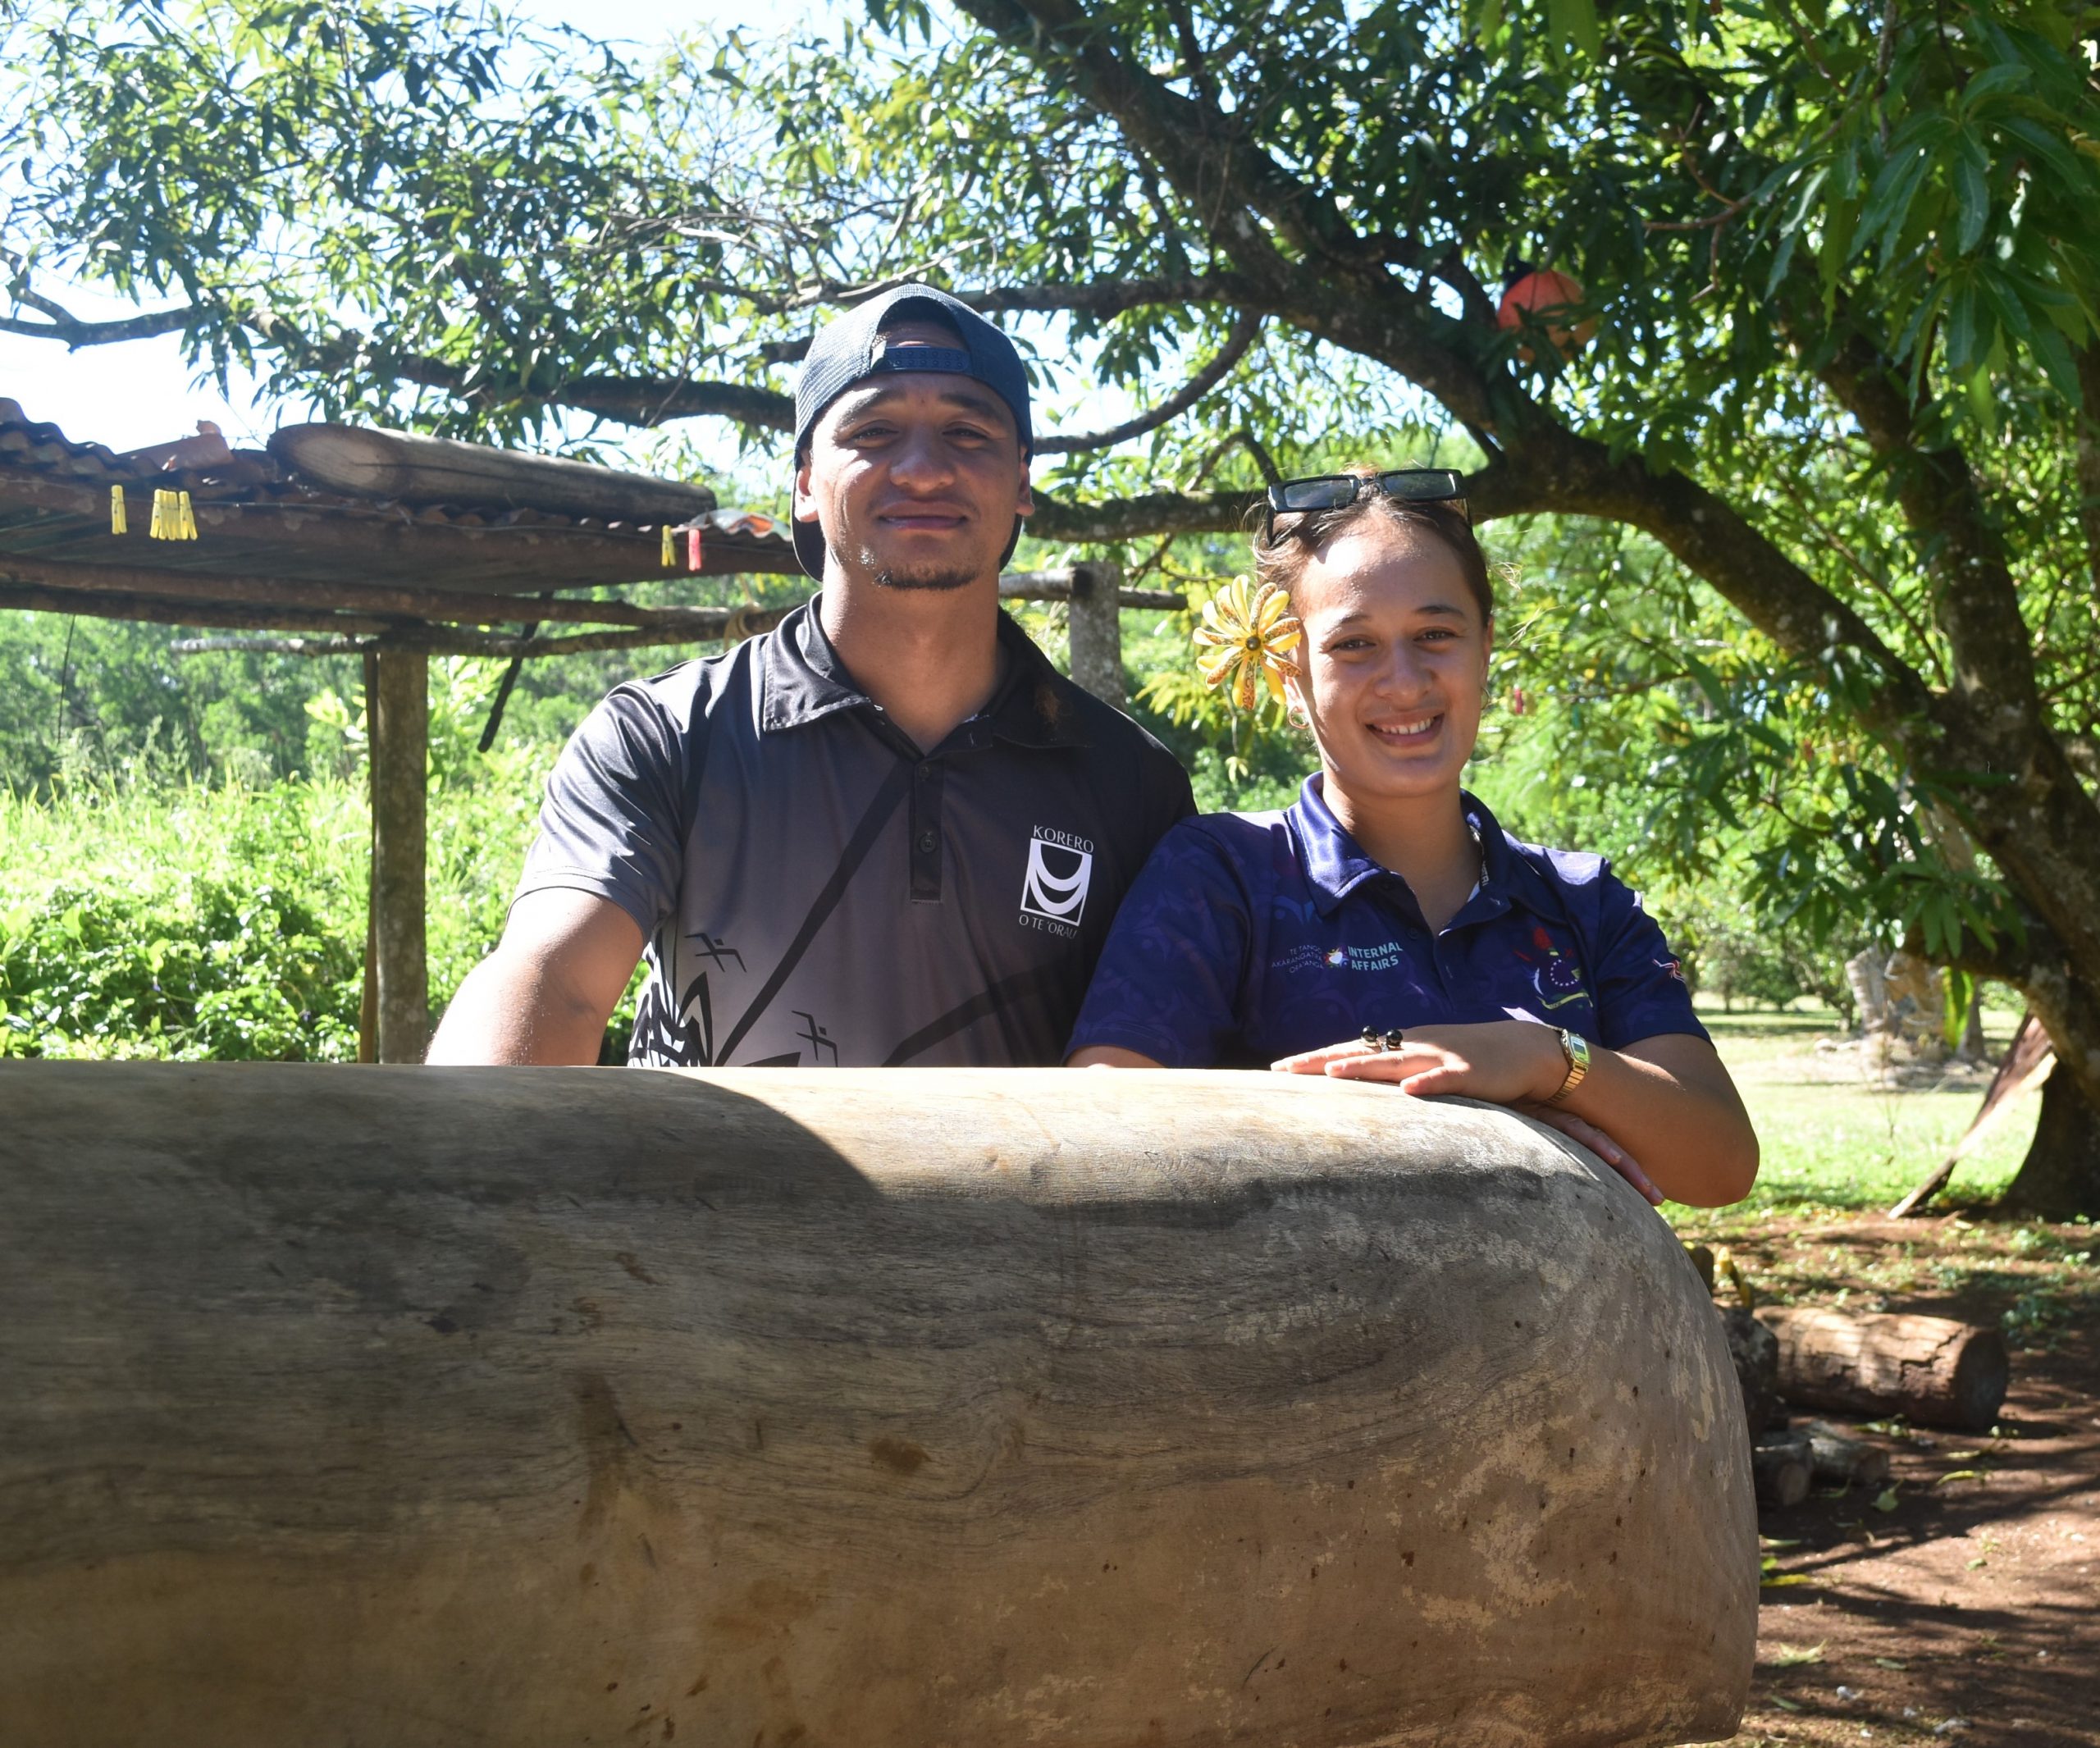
x: 1330, y: 491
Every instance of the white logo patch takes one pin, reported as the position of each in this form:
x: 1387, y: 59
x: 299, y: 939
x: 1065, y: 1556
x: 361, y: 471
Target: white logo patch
x: 1060, y: 869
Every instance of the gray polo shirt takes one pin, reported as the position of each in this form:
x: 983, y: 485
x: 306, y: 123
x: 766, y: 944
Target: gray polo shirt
x: 814, y: 889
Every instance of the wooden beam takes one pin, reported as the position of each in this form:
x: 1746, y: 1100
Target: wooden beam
x: 1056, y: 586
x: 366, y: 463
x: 399, y: 766
x: 450, y: 606
x: 435, y: 640
x: 153, y: 610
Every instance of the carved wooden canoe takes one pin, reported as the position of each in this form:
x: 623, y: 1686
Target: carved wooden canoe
x: 415, y: 1407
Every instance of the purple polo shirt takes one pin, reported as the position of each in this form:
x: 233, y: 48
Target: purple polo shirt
x: 1249, y: 937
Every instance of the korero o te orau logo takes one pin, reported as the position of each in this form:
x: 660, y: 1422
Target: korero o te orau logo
x: 1060, y: 868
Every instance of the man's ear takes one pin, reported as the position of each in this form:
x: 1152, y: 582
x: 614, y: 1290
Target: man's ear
x: 805, y: 505
x: 1025, y: 506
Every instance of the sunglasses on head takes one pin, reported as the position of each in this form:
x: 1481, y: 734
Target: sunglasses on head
x: 1331, y: 491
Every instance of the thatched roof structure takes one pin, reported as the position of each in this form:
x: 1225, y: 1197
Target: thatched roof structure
x: 277, y: 549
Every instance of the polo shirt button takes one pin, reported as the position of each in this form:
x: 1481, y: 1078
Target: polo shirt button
x: 927, y: 842
x: 926, y: 772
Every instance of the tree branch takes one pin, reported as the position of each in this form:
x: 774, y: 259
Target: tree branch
x: 1152, y: 513
x: 1108, y: 297
x: 73, y: 333
x: 1246, y: 330
x: 1222, y: 174
x: 1979, y: 603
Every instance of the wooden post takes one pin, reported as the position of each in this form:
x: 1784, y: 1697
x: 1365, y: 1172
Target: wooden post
x: 399, y: 765
x: 368, y: 999
x: 1097, y: 629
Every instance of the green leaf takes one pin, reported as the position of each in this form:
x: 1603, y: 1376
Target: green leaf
x: 1888, y: 202
x: 1972, y: 189
x: 1983, y: 401
x: 1886, y: 1499
x: 1994, y: 81
x: 1576, y: 22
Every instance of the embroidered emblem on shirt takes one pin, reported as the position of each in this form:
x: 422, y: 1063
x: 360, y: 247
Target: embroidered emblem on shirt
x: 1060, y: 869
x: 1558, y: 981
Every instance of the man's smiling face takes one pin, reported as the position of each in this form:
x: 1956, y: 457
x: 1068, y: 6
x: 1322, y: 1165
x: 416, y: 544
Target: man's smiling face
x: 916, y: 476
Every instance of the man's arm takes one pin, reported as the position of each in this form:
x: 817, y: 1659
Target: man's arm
x: 546, y: 992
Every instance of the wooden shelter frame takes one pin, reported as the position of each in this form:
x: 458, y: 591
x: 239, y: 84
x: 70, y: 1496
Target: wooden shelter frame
x: 341, y: 540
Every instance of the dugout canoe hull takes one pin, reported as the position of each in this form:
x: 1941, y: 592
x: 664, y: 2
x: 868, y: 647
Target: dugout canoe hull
x: 864, y: 1409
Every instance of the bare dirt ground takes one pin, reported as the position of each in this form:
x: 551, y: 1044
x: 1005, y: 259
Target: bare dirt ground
x: 1962, y: 1602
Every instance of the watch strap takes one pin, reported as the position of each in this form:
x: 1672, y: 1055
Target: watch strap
x: 1576, y: 1048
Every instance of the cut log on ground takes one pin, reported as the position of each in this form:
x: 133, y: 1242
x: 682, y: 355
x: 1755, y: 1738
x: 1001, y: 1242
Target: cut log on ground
x: 1754, y: 1352
x: 876, y: 1409
x: 1840, y: 1458
x: 1931, y: 1370
x: 1784, y: 1464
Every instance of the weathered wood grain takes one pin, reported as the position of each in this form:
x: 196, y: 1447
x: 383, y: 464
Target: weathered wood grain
x: 872, y: 1409
x: 413, y: 469
x: 1935, y: 1371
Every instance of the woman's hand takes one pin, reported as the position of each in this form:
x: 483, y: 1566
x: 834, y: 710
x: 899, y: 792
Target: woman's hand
x: 1669, y: 1096
x: 1500, y: 1061
x: 1504, y: 1061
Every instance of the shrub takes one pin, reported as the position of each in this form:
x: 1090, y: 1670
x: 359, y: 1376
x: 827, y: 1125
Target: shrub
x: 198, y: 969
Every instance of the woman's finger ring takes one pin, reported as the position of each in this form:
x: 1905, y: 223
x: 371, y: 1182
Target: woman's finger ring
x: 1373, y: 1039
x: 1395, y: 1039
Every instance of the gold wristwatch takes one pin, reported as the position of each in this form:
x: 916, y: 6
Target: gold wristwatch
x: 1576, y: 1048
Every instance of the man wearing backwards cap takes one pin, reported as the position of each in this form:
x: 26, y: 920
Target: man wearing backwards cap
x: 888, y: 832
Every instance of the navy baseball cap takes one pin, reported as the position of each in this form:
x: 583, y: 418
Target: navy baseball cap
x: 850, y: 350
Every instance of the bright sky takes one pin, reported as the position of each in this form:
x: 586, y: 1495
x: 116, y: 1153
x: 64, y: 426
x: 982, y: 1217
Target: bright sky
x: 141, y: 392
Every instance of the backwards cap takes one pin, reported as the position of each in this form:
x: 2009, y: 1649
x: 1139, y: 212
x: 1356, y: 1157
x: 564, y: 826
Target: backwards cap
x: 850, y: 350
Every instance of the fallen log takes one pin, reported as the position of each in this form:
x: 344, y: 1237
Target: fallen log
x: 1754, y: 1351
x: 1934, y: 1371
x: 1837, y: 1456
x: 1781, y: 1464
x: 886, y: 1409
x: 401, y: 466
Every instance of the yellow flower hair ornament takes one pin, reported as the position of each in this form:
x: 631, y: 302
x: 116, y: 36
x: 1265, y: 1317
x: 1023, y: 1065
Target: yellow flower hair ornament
x: 1246, y: 633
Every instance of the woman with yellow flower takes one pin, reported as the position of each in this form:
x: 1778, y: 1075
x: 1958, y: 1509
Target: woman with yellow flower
x: 1384, y: 927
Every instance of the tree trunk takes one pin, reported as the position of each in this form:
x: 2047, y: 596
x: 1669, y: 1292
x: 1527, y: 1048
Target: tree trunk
x: 1932, y: 1369
x: 2059, y: 1178
x: 417, y: 1407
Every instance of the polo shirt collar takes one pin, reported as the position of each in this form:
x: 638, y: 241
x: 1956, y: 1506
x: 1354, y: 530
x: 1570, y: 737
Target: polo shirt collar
x: 803, y: 680
x: 1335, y: 865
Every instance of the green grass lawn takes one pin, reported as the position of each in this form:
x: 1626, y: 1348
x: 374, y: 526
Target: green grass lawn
x: 1834, y: 1139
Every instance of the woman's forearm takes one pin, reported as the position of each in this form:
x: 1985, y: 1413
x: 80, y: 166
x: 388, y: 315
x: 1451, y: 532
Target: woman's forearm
x: 1669, y: 1103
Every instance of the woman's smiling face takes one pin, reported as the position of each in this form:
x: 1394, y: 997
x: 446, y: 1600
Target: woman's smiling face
x: 1394, y: 661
